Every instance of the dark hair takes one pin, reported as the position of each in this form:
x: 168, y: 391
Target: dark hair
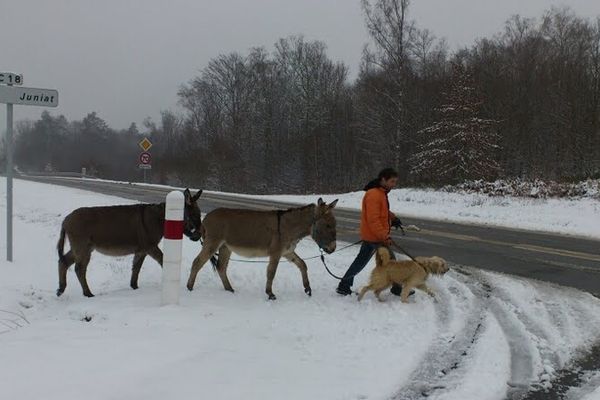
x: 387, y: 173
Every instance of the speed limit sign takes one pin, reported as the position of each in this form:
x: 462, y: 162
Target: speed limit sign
x: 145, y: 158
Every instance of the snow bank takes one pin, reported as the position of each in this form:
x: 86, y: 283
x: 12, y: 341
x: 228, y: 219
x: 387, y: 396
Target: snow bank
x: 530, y: 188
x: 122, y: 344
x: 573, y: 217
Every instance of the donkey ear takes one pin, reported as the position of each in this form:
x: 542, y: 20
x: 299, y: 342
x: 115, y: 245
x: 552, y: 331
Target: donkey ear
x: 188, y: 196
x: 333, y: 204
x: 197, y: 195
x: 320, y: 201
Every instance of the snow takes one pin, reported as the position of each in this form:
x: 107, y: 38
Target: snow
x: 123, y: 344
x: 565, y: 216
x: 595, y: 395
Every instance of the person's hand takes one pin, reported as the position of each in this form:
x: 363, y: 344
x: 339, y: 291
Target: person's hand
x: 396, y: 223
x: 388, y: 242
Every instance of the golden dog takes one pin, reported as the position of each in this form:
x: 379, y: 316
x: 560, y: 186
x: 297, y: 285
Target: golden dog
x: 407, y: 273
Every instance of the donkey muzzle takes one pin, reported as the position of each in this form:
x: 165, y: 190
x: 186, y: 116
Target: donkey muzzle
x: 194, y: 236
x: 330, y: 248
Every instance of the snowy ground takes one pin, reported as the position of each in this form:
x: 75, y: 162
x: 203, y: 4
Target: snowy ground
x: 486, y: 336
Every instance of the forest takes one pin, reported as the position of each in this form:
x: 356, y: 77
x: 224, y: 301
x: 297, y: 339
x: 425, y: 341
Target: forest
x: 524, y: 103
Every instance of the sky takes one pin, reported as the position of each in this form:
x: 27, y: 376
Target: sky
x: 126, y: 59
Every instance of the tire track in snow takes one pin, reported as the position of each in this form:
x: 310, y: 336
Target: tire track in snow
x: 573, y: 376
x: 517, y: 336
x: 571, y: 381
x: 532, y: 359
x: 539, y: 336
x: 446, y: 353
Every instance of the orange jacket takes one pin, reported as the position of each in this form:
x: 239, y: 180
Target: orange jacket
x: 376, y: 216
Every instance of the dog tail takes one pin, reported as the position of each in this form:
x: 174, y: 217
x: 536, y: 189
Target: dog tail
x: 382, y: 257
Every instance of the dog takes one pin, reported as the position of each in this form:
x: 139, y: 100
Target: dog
x: 408, y: 273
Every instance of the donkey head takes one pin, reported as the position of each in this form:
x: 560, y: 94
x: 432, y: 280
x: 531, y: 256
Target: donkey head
x: 323, y: 230
x: 192, y: 216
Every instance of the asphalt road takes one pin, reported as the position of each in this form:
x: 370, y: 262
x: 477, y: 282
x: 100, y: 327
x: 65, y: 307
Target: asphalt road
x: 565, y: 260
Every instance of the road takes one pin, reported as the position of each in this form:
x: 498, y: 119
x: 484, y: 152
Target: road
x: 564, y: 260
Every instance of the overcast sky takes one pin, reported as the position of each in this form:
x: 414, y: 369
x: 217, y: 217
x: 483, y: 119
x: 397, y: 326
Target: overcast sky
x: 126, y: 59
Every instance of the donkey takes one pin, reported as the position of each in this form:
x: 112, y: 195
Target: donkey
x: 272, y: 234
x: 118, y: 231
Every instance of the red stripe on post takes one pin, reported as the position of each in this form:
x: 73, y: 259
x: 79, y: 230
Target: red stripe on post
x: 173, y: 230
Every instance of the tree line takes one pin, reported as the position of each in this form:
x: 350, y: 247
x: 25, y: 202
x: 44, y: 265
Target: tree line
x: 523, y: 103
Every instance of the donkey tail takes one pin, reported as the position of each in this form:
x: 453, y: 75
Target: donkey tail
x: 61, y: 246
x: 214, y: 262
x: 213, y: 259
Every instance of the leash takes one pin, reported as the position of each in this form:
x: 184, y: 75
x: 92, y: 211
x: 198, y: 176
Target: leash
x: 322, y: 256
x: 398, y: 247
x: 401, y: 249
x: 339, y: 278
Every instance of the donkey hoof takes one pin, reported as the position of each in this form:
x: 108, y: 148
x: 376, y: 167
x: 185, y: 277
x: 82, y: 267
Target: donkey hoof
x: 272, y: 297
x: 230, y: 290
x: 308, y: 291
x: 88, y: 294
x: 59, y: 292
x: 190, y: 287
x: 134, y: 287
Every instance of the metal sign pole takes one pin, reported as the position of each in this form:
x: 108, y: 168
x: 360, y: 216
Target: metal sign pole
x: 9, y: 181
x: 27, y: 96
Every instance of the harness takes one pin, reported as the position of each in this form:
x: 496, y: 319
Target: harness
x: 193, y: 235
x: 280, y: 213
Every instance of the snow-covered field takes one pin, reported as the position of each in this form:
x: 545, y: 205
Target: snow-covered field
x: 487, y: 334
x: 566, y: 216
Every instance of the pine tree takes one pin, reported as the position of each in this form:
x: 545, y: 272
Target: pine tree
x: 460, y: 145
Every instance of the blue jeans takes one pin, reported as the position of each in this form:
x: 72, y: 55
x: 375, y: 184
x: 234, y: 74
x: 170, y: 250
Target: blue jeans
x: 367, y: 249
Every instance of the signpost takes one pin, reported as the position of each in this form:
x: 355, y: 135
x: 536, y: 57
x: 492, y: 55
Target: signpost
x: 145, y: 157
x: 24, y: 96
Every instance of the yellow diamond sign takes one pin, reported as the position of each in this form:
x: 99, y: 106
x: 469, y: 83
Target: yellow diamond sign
x: 145, y: 144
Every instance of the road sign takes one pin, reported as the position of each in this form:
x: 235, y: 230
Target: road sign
x: 8, y: 78
x: 28, y: 96
x: 145, y: 166
x: 145, y: 144
x: 17, y: 95
x: 145, y: 158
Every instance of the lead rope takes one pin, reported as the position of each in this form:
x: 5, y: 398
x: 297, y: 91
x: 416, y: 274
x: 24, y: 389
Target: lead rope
x: 322, y: 256
x: 327, y: 268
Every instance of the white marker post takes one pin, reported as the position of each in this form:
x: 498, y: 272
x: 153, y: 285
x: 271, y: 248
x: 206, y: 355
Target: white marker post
x: 173, y: 236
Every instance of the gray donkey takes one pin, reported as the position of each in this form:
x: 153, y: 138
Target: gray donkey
x: 272, y: 234
x: 118, y: 231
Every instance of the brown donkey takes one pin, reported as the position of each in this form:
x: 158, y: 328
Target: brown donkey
x: 272, y: 234
x: 118, y: 231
